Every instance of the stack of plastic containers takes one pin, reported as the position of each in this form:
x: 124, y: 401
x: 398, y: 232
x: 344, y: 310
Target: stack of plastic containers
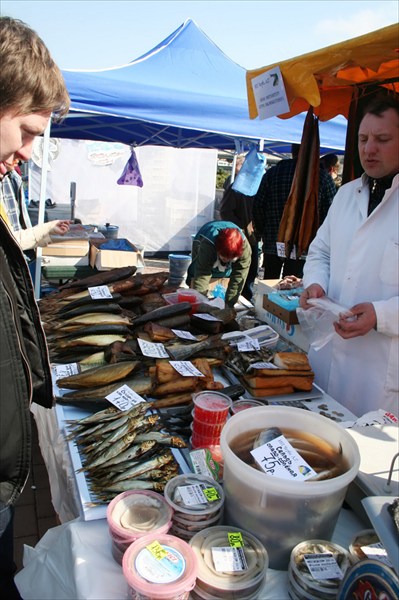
x: 232, y: 564
x: 160, y: 567
x: 316, y: 570
x: 197, y: 502
x: 134, y: 514
x: 211, y: 411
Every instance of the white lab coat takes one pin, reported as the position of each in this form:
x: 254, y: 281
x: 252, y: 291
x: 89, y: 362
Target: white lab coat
x: 355, y: 259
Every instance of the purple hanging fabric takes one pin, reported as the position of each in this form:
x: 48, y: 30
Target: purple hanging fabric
x: 131, y: 173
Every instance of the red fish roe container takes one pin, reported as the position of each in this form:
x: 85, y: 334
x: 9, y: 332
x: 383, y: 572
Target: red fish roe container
x: 206, y: 429
x: 211, y: 407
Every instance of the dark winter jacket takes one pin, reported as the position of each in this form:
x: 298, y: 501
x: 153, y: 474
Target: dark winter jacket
x: 204, y: 256
x: 25, y: 374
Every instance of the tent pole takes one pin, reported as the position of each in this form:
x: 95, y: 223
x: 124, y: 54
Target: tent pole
x: 42, y: 200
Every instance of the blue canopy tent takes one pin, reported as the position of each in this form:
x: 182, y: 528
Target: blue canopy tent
x: 184, y: 93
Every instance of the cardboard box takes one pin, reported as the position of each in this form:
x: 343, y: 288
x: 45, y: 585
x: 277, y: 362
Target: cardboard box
x: 290, y: 332
x: 288, y: 316
x: 104, y: 260
x: 67, y: 248
x: 66, y: 261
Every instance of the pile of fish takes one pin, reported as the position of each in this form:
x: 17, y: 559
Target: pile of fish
x: 103, y: 337
x: 124, y: 450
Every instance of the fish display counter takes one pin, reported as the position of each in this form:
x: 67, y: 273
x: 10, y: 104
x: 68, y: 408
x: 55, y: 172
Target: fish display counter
x: 135, y: 387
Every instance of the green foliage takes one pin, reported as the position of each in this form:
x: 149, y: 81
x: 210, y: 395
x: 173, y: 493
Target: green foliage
x: 221, y: 176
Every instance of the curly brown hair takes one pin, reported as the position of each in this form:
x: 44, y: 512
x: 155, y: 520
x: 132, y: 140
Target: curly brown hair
x: 30, y: 81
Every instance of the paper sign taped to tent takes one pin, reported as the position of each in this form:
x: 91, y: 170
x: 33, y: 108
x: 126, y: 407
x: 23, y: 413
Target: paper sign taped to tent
x: 270, y: 96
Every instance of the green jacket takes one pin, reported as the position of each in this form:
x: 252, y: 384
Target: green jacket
x: 204, y: 257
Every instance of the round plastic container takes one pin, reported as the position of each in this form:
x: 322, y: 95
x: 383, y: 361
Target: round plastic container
x: 240, y: 405
x: 214, y: 582
x: 211, y: 407
x: 301, y: 578
x: 206, y: 429
x: 134, y: 514
x: 379, y: 580
x: 160, y: 567
x: 283, y: 512
x: 183, y: 494
x: 204, y: 441
x: 359, y: 543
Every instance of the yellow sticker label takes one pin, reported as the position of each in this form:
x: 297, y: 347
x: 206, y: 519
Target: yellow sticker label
x: 157, y: 550
x: 235, y: 539
x: 211, y: 494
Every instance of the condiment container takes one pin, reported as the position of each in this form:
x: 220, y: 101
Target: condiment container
x: 366, y: 544
x: 240, y: 405
x: 194, y: 498
x: 369, y: 579
x: 232, y: 563
x: 211, y: 407
x: 134, y: 514
x: 160, y: 567
x: 316, y: 569
x: 283, y: 512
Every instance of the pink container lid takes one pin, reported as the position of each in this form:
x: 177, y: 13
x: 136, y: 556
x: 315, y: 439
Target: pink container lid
x: 177, y: 571
x: 137, y: 513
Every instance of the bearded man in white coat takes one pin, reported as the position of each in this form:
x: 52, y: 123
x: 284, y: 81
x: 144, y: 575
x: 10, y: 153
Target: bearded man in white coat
x: 354, y: 260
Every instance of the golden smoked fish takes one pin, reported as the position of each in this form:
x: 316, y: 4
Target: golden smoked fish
x: 98, y: 376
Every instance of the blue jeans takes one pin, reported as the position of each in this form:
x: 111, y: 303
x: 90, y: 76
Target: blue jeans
x: 8, y: 589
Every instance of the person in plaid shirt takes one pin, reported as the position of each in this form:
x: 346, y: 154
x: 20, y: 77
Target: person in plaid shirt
x: 268, y: 209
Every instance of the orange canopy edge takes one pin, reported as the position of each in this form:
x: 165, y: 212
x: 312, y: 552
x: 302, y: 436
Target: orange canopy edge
x: 325, y: 78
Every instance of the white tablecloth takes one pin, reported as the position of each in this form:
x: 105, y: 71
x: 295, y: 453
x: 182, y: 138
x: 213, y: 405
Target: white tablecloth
x: 74, y: 562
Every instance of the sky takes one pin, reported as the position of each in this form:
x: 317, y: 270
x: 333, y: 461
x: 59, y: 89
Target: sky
x: 98, y: 34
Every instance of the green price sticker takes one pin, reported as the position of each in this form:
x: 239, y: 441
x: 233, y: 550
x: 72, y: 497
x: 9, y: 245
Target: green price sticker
x: 157, y: 550
x: 235, y: 539
x: 211, y: 494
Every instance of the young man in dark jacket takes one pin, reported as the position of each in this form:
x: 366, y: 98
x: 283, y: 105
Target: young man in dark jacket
x: 32, y: 88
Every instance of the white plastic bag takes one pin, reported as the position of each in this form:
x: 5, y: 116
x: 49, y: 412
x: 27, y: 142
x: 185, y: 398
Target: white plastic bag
x: 250, y: 175
x: 317, y: 323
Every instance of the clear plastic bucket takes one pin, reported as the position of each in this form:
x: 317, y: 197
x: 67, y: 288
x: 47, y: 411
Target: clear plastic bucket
x: 282, y: 512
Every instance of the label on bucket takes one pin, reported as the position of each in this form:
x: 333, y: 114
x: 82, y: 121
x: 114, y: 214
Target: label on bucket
x: 280, y: 459
x: 160, y: 564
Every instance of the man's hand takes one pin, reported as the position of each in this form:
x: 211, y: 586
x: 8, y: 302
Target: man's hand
x: 363, y: 318
x: 313, y: 291
x: 60, y: 227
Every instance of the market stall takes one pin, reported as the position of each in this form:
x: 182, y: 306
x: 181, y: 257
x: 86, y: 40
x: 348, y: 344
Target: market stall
x: 137, y: 362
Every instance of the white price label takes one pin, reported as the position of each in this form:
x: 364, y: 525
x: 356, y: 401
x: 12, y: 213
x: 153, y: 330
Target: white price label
x: 377, y: 552
x: 270, y: 95
x: 263, y: 365
x: 186, y: 368
x: 61, y: 371
x: 280, y: 459
x: 323, y: 566
x: 152, y: 349
x: 248, y: 346
x: 192, y: 494
x: 229, y: 559
x: 281, y: 251
x: 206, y: 317
x: 124, y: 398
x: 184, y: 335
x: 99, y: 292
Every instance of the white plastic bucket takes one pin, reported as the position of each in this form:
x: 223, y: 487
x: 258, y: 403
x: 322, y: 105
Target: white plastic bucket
x: 281, y: 512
